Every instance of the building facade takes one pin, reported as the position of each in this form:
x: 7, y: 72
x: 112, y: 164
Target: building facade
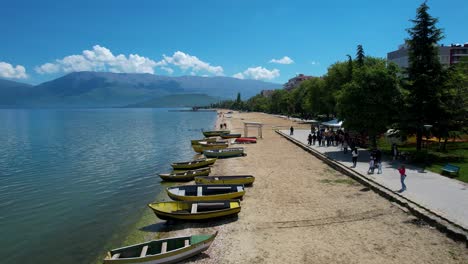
x: 448, y: 55
x: 296, y: 81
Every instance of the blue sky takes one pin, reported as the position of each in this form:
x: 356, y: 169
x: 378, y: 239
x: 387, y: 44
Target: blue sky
x: 42, y: 40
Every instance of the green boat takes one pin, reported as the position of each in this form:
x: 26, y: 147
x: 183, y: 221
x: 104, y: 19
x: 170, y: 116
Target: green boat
x: 214, y: 133
x: 185, y: 176
x: 194, y: 164
x: 230, y: 135
x: 168, y: 250
x: 224, y: 153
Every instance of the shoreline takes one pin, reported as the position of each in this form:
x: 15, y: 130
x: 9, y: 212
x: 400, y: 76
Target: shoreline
x: 300, y: 210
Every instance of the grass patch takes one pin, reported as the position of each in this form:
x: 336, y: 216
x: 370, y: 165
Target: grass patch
x: 339, y: 181
x: 432, y: 158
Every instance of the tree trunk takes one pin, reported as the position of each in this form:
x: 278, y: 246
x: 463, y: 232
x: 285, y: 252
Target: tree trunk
x: 419, y: 135
x: 444, y: 146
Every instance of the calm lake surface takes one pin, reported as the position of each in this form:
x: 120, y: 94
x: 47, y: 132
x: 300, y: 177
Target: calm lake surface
x: 71, y: 181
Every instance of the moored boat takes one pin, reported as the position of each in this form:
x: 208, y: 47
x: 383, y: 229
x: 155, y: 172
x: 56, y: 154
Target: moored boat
x: 230, y: 135
x: 169, y: 250
x: 205, y: 192
x: 195, y: 210
x: 235, y: 179
x: 197, y: 141
x: 206, y: 145
x: 200, y: 163
x: 214, y: 133
x: 224, y: 153
x: 185, y: 176
x: 246, y: 140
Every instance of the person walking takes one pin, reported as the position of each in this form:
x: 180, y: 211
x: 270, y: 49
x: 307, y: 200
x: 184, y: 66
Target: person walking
x: 314, y: 138
x: 371, y: 165
x: 345, y: 147
x: 402, y: 171
x: 354, y: 154
x: 394, y: 151
x: 291, y: 131
x: 309, y: 139
x: 378, y: 160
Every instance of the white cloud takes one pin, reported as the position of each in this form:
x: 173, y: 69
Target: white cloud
x: 8, y: 71
x: 258, y: 73
x: 187, y: 62
x: 101, y: 59
x: 167, y: 69
x: 239, y: 75
x: 284, y: 60
x: 315, y: 63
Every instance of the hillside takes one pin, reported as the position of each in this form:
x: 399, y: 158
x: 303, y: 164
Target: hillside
x: 105, y: 89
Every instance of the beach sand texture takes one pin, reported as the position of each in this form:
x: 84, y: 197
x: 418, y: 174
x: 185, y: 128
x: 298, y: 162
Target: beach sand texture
x: 300, y: 210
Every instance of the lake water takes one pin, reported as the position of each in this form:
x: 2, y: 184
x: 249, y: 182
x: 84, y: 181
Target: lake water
x: 72, y: 180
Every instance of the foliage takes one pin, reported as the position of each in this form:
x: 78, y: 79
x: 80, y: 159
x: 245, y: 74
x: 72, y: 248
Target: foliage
x: 360, y: 55
x: 424, y: 74
x: 369, y: 102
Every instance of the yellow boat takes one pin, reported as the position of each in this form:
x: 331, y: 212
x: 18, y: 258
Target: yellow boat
x: 236, y: 179
x: 195, y: 210
x: 193, y: 164
x: 209, y: 146
x: 185, y: 176
x: 205, y: 192
x: 197, y: 141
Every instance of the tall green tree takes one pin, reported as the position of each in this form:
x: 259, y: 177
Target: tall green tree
x: 424, y: 73
x: 350, y: 67
x: 360, y: 55
x: 368, y: 104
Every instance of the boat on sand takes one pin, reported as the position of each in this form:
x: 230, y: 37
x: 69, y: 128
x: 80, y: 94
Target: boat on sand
x: 224, y: 153
x: 195, y: 210
x: 185, y: 176
x: 205, y: 192
x: 235, y: 179
x: 199, y: 163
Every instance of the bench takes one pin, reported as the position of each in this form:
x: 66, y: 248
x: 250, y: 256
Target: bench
x: 164, y: 248
x: 449, y: 168
x: 143, y: 251
x: 116, y: 256
x: 199, y: 191
x: 186, y: 243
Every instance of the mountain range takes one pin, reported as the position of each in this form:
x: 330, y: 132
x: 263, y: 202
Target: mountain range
x: 106, y: 89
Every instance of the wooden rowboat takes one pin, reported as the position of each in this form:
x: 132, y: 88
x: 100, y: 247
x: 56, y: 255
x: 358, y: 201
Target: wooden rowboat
x: 196, y: 141
x: 205, y: 146
x: 205, y: 192
x: 169, y: 250
x: 200, y: 163
x: 195, y: 210
x: 224, y: 153
x: 246, y: 140
x: 236, y: 179
x: 230, y: 135
x: 185, y: 176
x: 214, y: 133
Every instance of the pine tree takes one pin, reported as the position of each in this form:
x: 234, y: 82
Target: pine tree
x: 360, y: 55
x: 424, y: 72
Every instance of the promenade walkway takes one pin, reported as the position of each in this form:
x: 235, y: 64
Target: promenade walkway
x: 442, y: 195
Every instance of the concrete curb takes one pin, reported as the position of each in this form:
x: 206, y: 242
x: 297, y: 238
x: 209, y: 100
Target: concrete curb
x: 453, y: 230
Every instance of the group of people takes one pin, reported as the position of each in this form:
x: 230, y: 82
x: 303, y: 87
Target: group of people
x: 326, y: 137
x: 223, y: 126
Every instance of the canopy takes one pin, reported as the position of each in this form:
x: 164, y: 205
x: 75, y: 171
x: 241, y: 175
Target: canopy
x: 333, y: 123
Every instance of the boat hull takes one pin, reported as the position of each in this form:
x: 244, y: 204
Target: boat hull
x: 215, y: 133
x: 230, y: 135
x: 245, y: 180
x: 187, y: 176
x: 197, y: 141
x: 246, y: 140
x: 193, y: 164
x: 224, y: 154
x: 232, y: 211
x: 236, y: 192
x: 201, y: 148
x: 170, y: 257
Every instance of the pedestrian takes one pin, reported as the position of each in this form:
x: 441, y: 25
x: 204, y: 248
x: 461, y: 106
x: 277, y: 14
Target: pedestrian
x: 225, y: 126
x: 221, y: 126
x: 291, y: 131
x: 354, y: 154
x: 314, y: 138
x: 309, y: 139
x: 402, y: 172
x: 319, y: 139
x: 371, y: 165
x: 345, y: 147
x: 378, y: 160
x: 394, y: 151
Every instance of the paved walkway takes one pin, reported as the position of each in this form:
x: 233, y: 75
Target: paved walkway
x: 444, y: 196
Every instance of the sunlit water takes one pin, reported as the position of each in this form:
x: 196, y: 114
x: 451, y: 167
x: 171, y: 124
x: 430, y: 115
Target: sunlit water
x: 70, y: 180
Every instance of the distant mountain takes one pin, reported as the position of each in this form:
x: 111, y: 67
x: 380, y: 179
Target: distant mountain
x: 178, y: 100
x: 12, y: 93
x: 105, y: 89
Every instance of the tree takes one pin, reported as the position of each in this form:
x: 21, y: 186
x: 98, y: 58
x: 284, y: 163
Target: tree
x: 350, y: 67
x: 424, y: 73
x: 360, y: 55
x: 368, y: 103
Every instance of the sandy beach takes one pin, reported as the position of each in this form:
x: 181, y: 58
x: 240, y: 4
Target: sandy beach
x: 300, y: 210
